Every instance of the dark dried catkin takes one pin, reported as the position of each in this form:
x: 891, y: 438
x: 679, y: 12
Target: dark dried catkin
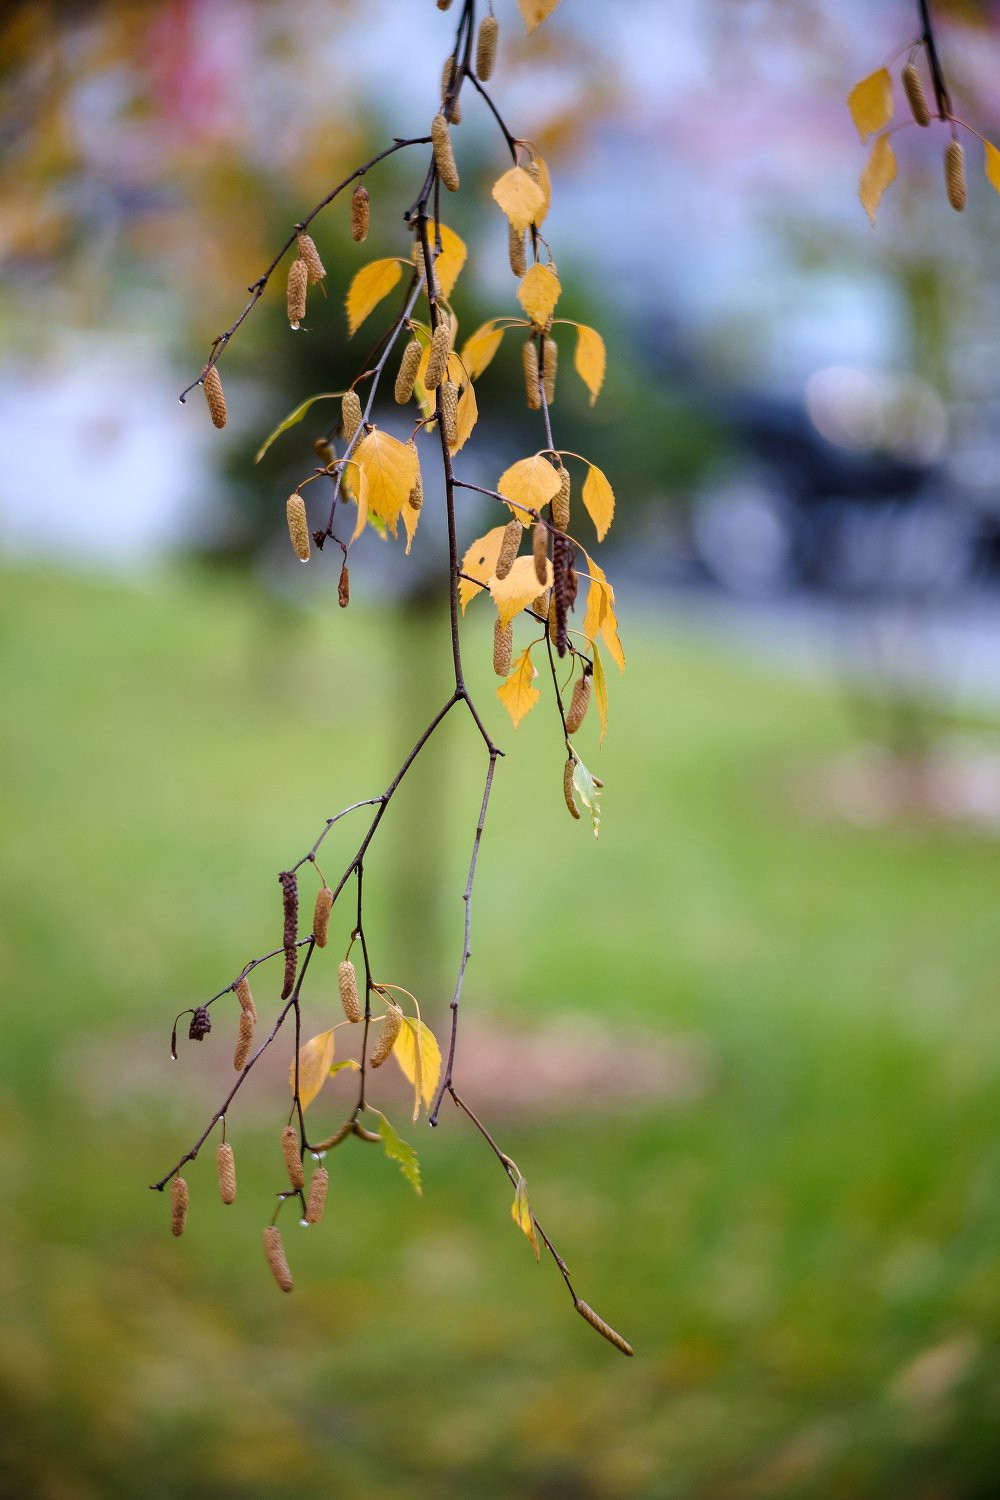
x: 568, y: 770
x: 321, y: 915
x: 560, y: 503
x: 316, y: 1201
x: 348, y: 980
x: 604, y: 1329
x: 503, y: 646
x: 509, y: 546
x: 298, y: 525
x: 540, y: 550
x: 275, y: 1252
x: 308, y: 253
x: 298, y: 282
x: 579, y: 703
x: 244, y: 1040
x: 360, y: 209
x: 913, y: 88
x: 449, y: 411
x: 290, y: 906
x: 350, y: 414
x: 550, y: 361
x: 179, y: 1198
x: 562, y: 561
x: 408, y: 366
x: 529, y: 362
x: 225, y: 1164
x: 437, y: 360
x: 293, y: 1157
x: 344, y: 588
x: 444, y: 156
x: 215, y: 396
x: 486, y: 48
x: 954, y: 175
x: 391, y: 1027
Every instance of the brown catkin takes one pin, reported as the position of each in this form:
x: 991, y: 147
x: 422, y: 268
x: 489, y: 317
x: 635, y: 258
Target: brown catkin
x: 529, y: 361
x: 540, y: 550
x: 298, y: 525
x: 416, y: 495
x: 391, y: 1027
x: 407, y: 372
x: 541, y: 605
x: 509, y: 546
x: 215, y: 396
x: 437, y: 360
x: 344, y: 588
x: 553, y: 617
x: 444, y: 156
x: 604, y: 1329
x: 350, y: 414
x: 308, y: 253
x: 348, y: 980
x: 449, y: 411
x: 451, y: 108
x: 515, y: 250
x: 321, y: 915
x: 244, y: 1040
x: 178, y: 1206
x: 362, y: 1134
x: 562, y: 563
x: 579, y: 703
x: 568, y: 770
x: 316, y: 1202
x: 360, y: 209
x: 486, y: 48
x: 275, y: 1252
x: 298, y: 281
x: 245, y: 997
x: 913, y: 88
x: 503, y: 646
x: 954, y: 175
x: 290, y: 933
x: 560, y: 503
x: 293, y: 1156
x: 550, y: 362
x: 225, y: 1163
x: 324, y: 450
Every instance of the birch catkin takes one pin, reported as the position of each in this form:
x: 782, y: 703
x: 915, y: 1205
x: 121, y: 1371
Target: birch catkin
x: 244, y: 1041
x: 560, y: 503
x: 315, y: 269
x: 579, y: 703
x: 515, y: 250
x: 321, y: 915
x: 275, y: 1252
x: 540, y: 550
x: 437, y: 360
x: 344, y: 588
x: 360, y: 209
x: 298, y: 282
x: 529, y: 361
x: 550, y: 360
x: 509, y: 546
x: 348, y: 980
x: 293, y: 1157
x: 486, y: 48
x: 503, y: 646
x: 915, y: 96
x: 225, y: 1164
x: 444, y: 156
x: 350, y: 414
x: 391, y: 1027
x: 408, y: 366
x: 298, y: 525
x: 178, y: 1206
x: 604, y: 1329
x: 449, y: 412
x: 245, y: 997
x: 450, y: 108
x: 215, y: 396
x: 954, y: 175
x: 568, y: 770
x: 316, y: 1202
x: 290, y: 908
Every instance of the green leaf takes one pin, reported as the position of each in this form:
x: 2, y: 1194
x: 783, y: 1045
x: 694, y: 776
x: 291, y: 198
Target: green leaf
x: 520, y: 1212
x: 348, y: 1062
x: 398, y: 1150
x: 291, y: 420
x: 588, y: 788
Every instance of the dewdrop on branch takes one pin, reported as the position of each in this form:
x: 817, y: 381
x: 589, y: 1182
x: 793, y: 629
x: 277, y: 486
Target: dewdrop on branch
x: 215, y: 396
x: 350, y: 414
x: 437, y: 360
x: 486, y: 48
x: 178, y: 1206
x: 604, y: 1329
x: 515, y: 251
x: 449, y: 412
x: 344, y: 588
x: 954, y: 175
x: 540, y: 549
x: 315, y: 269
x: 321, y: 915
x: 568, y: 770
x: 244, y: 1040
x: 503, y: 646
x: 444, y: 156
x: 579, y: 703
x: 408, y: 366
x: 359, y: 213
x: 348, y: 980
x: 560, y: 503
x: 316, y: 1201
x: 509, y: 546
x: 391, y: 1027
x: 298, y: 281
x: 244, y: 996
x: 275, y: 1252
x: 913, y: 88
x: 293, y: 1157
x: 298, y: 526
x: 529, y: 360
x: 225, y: 1164
x: 550, y: 359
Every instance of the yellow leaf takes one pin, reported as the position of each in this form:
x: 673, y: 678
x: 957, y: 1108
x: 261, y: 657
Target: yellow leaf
x: 355, y: 485
x: 518, y: 589
x: 545, y: 183
x: 419, y: 1057
x: 880, y: 170
x: 480, y: 348
x: 870, y: 103
x: 590, y: 359
x: 480, y: 562
x: 600, y: 690
x: 390, y: 468
x: 992, y: 166
x: 519, y: 196
x: 314, y: 1066
x: 535, y: 11
x: 600, y: 618
x: 599, y: 498
x: 517, y: 694
x: 369, y: 286
x: 466, y: 417
x: 451, y: 260
x: 521, y: 1213
x: 531, y: 481
x: 539, y: 293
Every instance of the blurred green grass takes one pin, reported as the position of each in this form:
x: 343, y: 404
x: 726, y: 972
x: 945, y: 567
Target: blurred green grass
x: 805, y: 1257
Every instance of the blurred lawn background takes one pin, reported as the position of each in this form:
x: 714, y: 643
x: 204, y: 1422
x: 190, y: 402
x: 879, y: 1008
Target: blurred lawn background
x: 782, y: 1188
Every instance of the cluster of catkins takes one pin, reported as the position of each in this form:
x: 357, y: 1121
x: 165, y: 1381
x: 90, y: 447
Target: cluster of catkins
x: 954, y: 156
